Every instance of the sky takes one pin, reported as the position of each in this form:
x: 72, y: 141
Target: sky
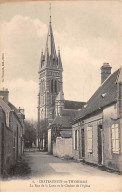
x: 87, y: 32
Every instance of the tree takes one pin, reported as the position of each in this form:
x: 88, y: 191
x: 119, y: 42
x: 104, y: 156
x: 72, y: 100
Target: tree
x: 30, y: 133
x: 43, y: 133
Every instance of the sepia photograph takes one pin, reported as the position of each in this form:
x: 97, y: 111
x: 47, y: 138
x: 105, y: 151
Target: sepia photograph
x: 60, y: 96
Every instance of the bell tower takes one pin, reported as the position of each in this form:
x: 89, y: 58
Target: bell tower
x: 50, y: 81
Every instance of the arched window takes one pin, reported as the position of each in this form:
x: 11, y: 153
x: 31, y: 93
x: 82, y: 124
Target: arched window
x: 52, y: 85
x: 42, y: 114
x: 55, y: 86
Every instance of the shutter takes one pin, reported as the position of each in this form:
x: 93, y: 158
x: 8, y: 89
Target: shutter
x: 89, y: 139
x: 77, y: 139
x: 117, y: 146
x: 74, y: 139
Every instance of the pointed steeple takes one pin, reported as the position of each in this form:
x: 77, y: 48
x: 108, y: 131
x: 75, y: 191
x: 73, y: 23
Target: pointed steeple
x: 50, y: 57
x: 47, y: 57
x: 42, y: 60
x: 50, y: 44
x: 59, y: 60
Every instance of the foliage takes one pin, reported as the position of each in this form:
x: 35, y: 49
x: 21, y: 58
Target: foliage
x: 43, y: 126
x: 30, y: 132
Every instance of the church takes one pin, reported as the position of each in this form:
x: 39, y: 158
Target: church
x: 51, y: 100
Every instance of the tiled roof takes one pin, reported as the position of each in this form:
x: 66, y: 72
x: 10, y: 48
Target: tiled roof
x: 12, y: 107
x: 68, y: 104
x: 66, y: 118
x: 69, y: 112
x: 64, y: 121
x: 66, y: 134
x: 105, y: 95
x: 18, y: 112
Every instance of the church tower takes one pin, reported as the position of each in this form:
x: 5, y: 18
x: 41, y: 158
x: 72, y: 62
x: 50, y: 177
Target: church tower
x: 50, y: 83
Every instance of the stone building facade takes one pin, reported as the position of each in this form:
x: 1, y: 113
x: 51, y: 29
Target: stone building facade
x: 97, y: 129
x: 11, y: 132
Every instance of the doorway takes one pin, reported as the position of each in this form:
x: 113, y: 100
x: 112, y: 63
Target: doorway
x: 82, y: 143
x: 100, y: 145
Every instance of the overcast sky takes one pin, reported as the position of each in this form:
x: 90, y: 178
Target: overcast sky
x: 87, y: 32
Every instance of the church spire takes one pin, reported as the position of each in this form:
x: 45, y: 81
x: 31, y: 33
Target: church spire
x: 59, y: 59
x: 50, y: 57
x: 50, y: 12
x: 50, y: 44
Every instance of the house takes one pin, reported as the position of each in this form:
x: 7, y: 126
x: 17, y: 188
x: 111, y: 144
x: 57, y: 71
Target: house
x: 60, y: 129
x: 97, y: 129
x: 11, y: 132
x: 6, y: 144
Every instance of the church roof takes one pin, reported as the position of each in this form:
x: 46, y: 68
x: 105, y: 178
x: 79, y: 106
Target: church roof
x: 68, y: 104
x: 105, y: 95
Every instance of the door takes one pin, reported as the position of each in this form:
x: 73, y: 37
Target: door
x: 83, y: 142
x: 100, y: 145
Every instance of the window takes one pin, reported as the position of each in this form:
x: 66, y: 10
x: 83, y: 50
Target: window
x: 51, y: 85
x: 43, y: 86
x: 42, y: 114
x: 76, y: 140
x: 115, y: 138
x: 55, y: 86
x: 89, y: 139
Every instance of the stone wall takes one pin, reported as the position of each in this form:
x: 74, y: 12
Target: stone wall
x: 62, y: 147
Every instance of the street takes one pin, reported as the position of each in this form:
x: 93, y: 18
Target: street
x: 44, y: 165
x: 53, y: 173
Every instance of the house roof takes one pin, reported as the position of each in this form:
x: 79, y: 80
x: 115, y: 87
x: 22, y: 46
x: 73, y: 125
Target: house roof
x: 12, y: 107
x: 68, y: 104
x: 65, y: 119
x: 66, y: 134
x: 105, y: 95
x: 69, y: 112
x: 15, y: 109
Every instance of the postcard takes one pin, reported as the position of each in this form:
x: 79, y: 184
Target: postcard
x: 60, y: 96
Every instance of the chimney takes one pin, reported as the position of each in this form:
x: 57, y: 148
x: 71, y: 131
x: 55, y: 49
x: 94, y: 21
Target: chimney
x: 4, y: 94
x: 105, y: 71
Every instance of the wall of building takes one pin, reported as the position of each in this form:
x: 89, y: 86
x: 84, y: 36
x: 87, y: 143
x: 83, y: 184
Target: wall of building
x: 93, y: 121
x: 105, y: 119
x: 62, y: 147
x: 75, y: 151
x: 49, y: 142
x: 16, y: 126
x: 111, y: 159
x: 6, y: 145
